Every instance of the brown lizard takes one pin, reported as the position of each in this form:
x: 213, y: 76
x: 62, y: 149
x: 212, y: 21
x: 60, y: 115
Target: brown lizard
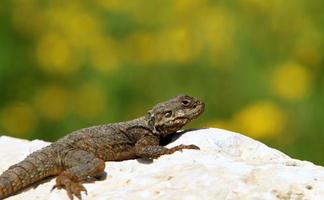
x: 81, y: 154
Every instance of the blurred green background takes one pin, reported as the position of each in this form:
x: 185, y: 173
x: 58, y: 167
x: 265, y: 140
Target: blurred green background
x: 258, y: 65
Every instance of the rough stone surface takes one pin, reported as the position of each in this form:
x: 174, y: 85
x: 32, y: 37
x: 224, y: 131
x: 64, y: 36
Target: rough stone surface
x: 228, y: 166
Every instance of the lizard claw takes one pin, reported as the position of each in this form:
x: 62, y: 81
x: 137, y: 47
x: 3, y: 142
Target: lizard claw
x: 53, y: 188
x: 192, y: 146
x: 75, y: 188
x: 56, y: 187
x: 72, y: 188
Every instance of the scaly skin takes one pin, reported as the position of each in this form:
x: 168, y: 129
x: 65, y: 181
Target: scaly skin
x: 82, y: 154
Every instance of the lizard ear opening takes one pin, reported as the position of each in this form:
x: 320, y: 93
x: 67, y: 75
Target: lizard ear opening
x: 151, y: 119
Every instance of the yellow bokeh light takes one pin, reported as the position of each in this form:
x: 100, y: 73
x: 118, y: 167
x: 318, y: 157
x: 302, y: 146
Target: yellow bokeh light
x: 90, y: 101
x: 141, y: 47
x: 308, y: 54
x: 111, y: 4
x: 291, y: 81
x: 104, y: 55
x: 308, y: 46
x: 260, y: 120
x: 218, y: 28
x: 54, y: 54
x: 27, y: 19
x: 186, y: 7
x: 177, y: 44
x: 18, y: 119
x: 79, y: 26
x: 52, y: 102
x: 261, y: 7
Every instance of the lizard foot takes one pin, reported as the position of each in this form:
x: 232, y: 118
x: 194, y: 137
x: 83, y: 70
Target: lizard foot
x: 73, y: 188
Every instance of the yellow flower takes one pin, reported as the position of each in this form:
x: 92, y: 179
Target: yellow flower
x: 54, y: 54
x: 260, y: 120
x: 111, y: 4
x: 52, y: 102
x: 79, y: 26
x: 187, y: 7
x: 27, y: 18
x: 141, y: 47
x: 291, y: 81
x: 308, y: 46
x: 104, y: 55
x: 18, y: 119
x: 218, y: 28
x: 90, y: 101
x: 260, y: 7
x: 177, y: 44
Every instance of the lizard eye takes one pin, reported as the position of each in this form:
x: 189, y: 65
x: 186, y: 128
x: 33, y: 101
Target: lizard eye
x: 185, y: 102
x: 168, y: 114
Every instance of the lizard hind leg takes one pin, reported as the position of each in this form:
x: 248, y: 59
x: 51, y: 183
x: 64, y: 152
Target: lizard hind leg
x: 79, y: 165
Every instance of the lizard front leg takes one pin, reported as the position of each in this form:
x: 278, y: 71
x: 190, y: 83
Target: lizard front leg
x: 79, y: 165
x: 148, y: 147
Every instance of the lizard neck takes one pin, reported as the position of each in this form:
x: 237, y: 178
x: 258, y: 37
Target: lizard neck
x: 143, y: 122
x: 141, y: 126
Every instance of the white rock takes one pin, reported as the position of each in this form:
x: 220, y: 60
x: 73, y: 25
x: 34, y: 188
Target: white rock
x: 228, y: 166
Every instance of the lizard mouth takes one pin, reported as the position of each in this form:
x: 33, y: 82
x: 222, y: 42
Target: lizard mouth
x: 199, y: 108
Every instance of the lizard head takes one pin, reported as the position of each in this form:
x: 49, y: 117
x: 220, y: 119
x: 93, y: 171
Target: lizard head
x: 170, y: 116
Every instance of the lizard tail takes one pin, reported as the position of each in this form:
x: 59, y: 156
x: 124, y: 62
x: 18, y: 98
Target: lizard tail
x: 35, y: 167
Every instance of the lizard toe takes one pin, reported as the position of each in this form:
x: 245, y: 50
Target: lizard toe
x: 192, y: 146
x: 182, y: 146
x: 73, y: 188
x: 76, y: 188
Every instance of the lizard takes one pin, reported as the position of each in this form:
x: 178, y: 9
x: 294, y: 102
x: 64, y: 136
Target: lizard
x: 82, y: 154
